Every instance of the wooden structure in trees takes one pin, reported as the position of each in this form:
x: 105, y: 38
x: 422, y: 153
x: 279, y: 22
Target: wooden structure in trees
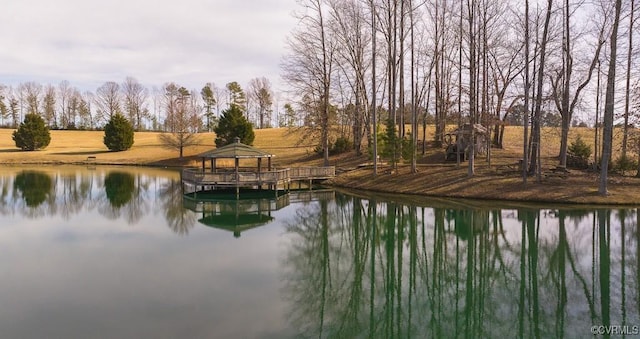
x: 461, y: 140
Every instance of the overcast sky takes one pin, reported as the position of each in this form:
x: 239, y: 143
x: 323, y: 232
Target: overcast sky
x: 190, y: 42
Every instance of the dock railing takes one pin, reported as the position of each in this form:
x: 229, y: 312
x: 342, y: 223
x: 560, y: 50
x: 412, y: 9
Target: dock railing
x: 199, y: 177
x: 205, y: 177
x: 303, y: 173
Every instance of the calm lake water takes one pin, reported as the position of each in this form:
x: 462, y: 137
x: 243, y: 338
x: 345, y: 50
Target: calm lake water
x: 117, y: 252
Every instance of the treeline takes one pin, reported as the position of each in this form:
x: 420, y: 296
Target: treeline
x: 490, y: 62
x: 165, y: 108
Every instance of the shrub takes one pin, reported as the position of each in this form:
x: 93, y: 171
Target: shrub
x: 32, y: 134
x: 578, y: 154
x: 624, y: 164
x: 341, y: 145
x: 118, y: 134
x: 580, y: 149
x: 407, y: 147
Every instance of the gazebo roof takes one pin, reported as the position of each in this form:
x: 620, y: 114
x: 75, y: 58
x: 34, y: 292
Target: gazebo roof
x: 236, y: 150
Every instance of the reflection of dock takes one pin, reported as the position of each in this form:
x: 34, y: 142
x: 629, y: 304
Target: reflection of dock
x: 228, y: 213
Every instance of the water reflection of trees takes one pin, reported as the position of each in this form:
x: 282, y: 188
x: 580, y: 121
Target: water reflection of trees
x: 32, y: 186
x: 119, y: 188
x: 179, y: 219
x: 361, y: 267
x: 118, y: 194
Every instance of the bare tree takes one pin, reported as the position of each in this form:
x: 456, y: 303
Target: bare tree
x: 84, y: 111
x: 260, y: 91
x: 374, y: 89
x: 14, y: 107
x: 64, y: 94
x: 534, y: 164
x: 525, y: 141
x: 473, y: 98
x: 107, y: 100
x: 73, y: 109
x: 607, y: 136
x: 49, y: 106
x: 625, y: 130
x: 4, y: 111
x: 135, y: 99
x: 505, y: 65
x: 182, y: 120
x: 308, y: 68
x: 564, y: 99
x: 352, y: 37
x: 30, y: 92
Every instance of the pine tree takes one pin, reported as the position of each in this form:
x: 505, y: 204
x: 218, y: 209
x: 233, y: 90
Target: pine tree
x: 233, y: 124
x: 118, y: 133
x: 32, y: 134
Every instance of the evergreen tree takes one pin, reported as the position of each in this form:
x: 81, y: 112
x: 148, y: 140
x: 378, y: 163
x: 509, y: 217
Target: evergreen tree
x: 32, y: 134
x: 233, y: 124
x: 209, y: 99
x: 118, y: 133
x: 391, y: 146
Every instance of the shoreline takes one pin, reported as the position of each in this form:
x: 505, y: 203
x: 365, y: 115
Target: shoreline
x: 579, y: 189
x: 435, y: 178
x: 486, y: 186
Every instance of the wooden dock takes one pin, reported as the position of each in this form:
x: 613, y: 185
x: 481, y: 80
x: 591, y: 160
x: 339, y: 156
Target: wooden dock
x: 202, y: 180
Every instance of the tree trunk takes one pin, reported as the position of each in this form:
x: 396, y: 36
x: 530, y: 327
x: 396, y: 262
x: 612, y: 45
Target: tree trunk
x: 326, y: 85
x: 609, y: 103
x: 414, y: 113
x: 567, y: 69
x: 473, y: 100
x: 625, y: 129
x: 525, y: 154
x: 374, y: 119
x: 535, y: 145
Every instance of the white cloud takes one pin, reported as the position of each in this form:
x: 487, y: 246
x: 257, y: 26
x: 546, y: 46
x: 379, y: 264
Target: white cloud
x: 190, y: 42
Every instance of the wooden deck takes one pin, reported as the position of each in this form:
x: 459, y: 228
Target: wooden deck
x: 274, y: 178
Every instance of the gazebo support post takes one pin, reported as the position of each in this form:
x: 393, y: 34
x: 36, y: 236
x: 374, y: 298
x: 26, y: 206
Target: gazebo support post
x: 259, y: 174
x: 237, y: 178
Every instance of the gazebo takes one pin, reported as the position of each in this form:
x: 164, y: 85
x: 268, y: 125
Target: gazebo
x: 237, y: 151
x: 215, y: 177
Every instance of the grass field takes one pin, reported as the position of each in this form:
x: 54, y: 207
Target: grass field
x: 76, y: 146
x: 498, y: 180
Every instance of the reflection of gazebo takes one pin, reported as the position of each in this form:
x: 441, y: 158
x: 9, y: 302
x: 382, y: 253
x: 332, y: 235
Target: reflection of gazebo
x: 236, y: 215
x: 235, y: 223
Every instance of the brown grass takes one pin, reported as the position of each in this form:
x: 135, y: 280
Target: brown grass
x: 69, y: 147
x: 498, y: 180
